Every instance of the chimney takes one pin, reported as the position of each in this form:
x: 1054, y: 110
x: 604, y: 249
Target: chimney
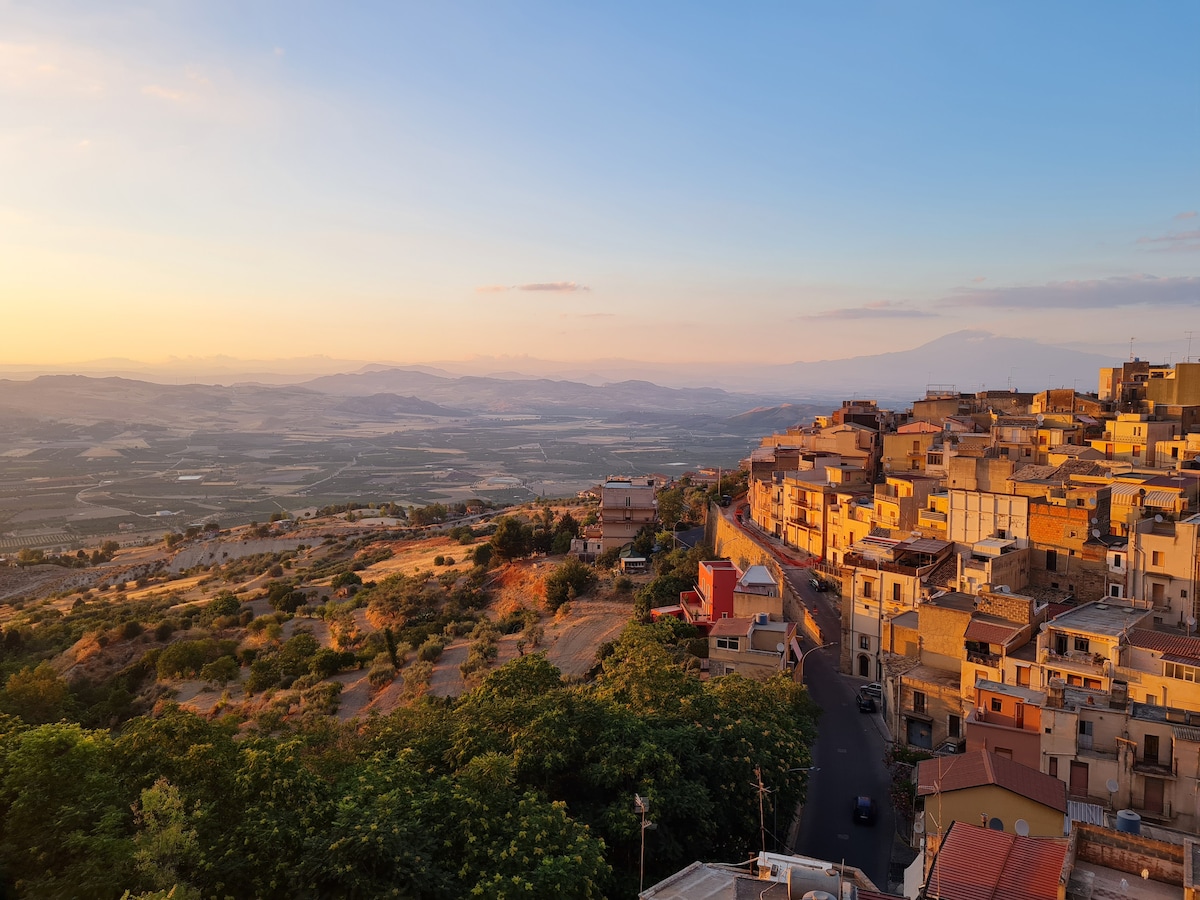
x: 1056, y: 695
x: 1118, y: 697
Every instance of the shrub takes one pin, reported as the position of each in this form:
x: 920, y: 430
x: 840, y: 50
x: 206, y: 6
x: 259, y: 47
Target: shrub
x: 571, y: 579
x: 439, y: 560
x: 220, y: 671
x: 431, y: 650
x: 382, y: 672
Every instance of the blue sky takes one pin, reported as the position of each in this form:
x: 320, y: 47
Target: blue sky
x: 417, y: 182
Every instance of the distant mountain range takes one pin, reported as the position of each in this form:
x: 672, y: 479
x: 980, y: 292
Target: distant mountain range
x: 748, y: 394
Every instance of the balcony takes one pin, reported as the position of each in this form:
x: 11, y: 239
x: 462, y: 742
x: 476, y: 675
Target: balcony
x: 1155, y: 768
x: 1080, y: 660
x: 984, y: 659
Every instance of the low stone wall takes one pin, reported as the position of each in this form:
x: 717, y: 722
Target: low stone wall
x: 1130, y: 853
x: 730, y: 542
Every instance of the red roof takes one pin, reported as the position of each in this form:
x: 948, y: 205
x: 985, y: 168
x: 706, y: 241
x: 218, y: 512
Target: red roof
x: 730, y: 627
x: 1159, y: 642
x: 980, y: 767
x: 990, y: 632
x: 976, y: 863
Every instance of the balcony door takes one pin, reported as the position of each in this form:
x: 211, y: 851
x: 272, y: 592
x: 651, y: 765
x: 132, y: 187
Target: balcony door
x: 1154, y: 796
x: 1079, y: 779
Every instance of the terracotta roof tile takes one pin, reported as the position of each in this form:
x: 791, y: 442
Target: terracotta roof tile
x: 976, y: 863
x: 1160, y: 642
x: 730, y: 627
x: 980, y: 767
x: 990, y: 632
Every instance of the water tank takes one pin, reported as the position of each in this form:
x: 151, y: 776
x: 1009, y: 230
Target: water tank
x: 761, y: 618
x: 1129, y: 822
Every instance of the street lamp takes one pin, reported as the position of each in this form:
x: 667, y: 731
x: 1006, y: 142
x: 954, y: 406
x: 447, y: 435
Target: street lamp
x: 805, y: 653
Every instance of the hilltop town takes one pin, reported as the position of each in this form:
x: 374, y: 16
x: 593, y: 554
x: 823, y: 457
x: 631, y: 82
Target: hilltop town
x: 1010, y: 580
x: 1004, y: 585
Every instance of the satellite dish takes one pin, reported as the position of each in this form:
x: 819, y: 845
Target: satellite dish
x: 1096, y: 532
x: 919, y: 826
x: 1112, y: 785
x: 779, y: 648
x: 1158, y: 518
x: 1040, y: 418
x: 1094, y: 520
x: 995, y: 824
x: 1022, y: 827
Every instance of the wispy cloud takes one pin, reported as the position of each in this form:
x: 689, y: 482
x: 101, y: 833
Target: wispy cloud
x: 1105, y: 293
x: 1190, y: 214
x: 162, y: 93
x: 1176, y: 242
x: 561, y: 287
x: 883, y: 309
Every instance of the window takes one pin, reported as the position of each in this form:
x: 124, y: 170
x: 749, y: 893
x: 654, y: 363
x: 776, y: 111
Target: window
x: 864, y: 642
x: 1083, y: 645
x: 1117, y: 561
x: 919, y: 701
x: 1053, y: 766
x: 916, y: 446
x: 1156, y: 558
x: 1114, y: 590
x: 997, y: 705
x: 1023, y: 675
x: 866, y: 591
x: 1028, y: 451
x: 1085, y: 728
x: 896, y: 593
x: 954, y: 726
x: 627, y: 499
x: 728, y: 643
x: 1150, y: 749
x: 1051, y: 560
x: 1182, y: 672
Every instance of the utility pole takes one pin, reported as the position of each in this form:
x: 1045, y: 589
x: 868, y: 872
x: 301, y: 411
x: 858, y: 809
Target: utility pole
x: 642, y: 805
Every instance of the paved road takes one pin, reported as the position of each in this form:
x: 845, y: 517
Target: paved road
x: 850, y: 744
x: 849, y: 753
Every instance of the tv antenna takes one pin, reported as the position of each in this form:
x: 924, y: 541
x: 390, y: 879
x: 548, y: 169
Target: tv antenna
x: 1189, y: 337
x: 1131, y: 349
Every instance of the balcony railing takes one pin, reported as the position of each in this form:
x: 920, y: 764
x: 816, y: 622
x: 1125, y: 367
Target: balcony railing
x: 1153, y: 767
x: 984, y: 659
x: 1077, y: 659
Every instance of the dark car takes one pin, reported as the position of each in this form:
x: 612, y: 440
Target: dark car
x: 866, y: 703
x: 864, y: 811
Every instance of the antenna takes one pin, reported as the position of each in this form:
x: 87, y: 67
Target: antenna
x: 1189, y: 337
x: 1131, y: 349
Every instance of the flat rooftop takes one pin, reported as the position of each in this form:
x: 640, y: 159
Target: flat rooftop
x: 1028, y: 695
x: 1102, y: 618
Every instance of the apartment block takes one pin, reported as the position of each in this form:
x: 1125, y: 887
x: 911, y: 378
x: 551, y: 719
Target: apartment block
x: 626, y: 506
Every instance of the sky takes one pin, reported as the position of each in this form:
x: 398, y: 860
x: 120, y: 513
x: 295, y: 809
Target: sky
x: 676, y: 182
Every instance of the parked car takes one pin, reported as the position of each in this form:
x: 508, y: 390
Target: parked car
x: 865, y: 812
x: 874, y: 689
x: 866, y: 703
x: 816, y: 584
